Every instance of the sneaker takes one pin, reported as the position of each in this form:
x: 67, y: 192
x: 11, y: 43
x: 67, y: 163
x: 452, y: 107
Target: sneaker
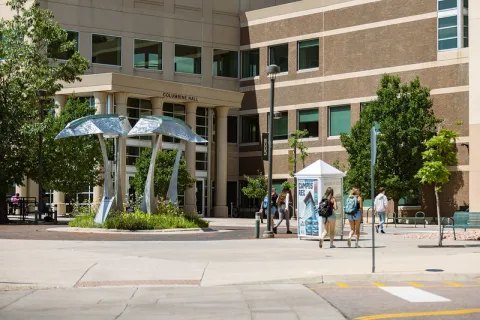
x: 382, y: 232
x: 332, y: 246
x: 376, y: 228
x: 320, y: 243
x: 289, y: 232
x: 275, y: 230
x: 356, y: 245
x: 349, y: 242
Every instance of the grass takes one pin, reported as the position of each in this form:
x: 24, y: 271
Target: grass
x: 142, y: 221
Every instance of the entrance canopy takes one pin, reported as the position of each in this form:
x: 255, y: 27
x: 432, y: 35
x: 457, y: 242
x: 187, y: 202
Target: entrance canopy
x: 320, y: 169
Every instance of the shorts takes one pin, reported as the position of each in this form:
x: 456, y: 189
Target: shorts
x: 333, y: 217
x: 354, y: 217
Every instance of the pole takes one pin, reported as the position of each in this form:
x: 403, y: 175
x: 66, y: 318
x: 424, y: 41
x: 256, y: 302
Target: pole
x: 268, y: 233
x: 40, y: 163
x: 373, y: 156
x: 295, y: 180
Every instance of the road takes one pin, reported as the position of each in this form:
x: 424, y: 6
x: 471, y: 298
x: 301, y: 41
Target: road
x: 336, y: 301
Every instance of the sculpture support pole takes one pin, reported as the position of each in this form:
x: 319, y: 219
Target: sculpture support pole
x: 172, y: 193
x: 148, y: 201
x: 106, y: 203
x: 118, y: 174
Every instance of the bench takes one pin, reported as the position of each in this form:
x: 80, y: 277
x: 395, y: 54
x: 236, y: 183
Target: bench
x: 419, y: 216
x: 462, y: 220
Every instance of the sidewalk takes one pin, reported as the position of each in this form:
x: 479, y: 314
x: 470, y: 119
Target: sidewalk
x: 39, y: 264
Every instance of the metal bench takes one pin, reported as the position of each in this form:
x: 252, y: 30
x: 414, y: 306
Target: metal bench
x: 419, y: 216
x: 462, y: 220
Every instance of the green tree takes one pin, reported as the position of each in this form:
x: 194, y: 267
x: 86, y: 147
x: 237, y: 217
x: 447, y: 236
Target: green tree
x: 257, y: 187
x: 70, y: 165
x: 163, y: 173
x: 294, y: 141
x: 404, y: 113
x: 25, y: 69
x: 440, y: 153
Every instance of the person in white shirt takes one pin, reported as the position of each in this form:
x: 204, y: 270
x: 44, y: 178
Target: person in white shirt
x: 380, y: 208
x: 283, y: 202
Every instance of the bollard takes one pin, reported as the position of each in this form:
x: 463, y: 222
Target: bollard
x: 55, y: 214
x: 257, y: 225
x: 36, y: 215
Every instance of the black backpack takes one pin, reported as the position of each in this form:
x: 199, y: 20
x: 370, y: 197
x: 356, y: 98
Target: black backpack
x: 324, y: 208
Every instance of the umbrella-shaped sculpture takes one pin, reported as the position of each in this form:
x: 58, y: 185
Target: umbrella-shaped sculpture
x: 156, y: 126
x: 104, y: 126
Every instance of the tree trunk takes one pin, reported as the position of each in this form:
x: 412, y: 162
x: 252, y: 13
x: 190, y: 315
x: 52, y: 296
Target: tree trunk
x: 3, y: 207
x: 438, y: 217
x: 395, y: 209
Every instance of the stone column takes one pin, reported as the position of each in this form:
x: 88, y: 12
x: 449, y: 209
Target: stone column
x: 121, y: 108
x: 100, y: 107
x: 474, y: 108
x: 59, y: 197
x: 221, y: 209
x: 191, y: 156
x: 157, y: 110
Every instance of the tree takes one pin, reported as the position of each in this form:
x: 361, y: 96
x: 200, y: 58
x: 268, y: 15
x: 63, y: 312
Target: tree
x: 25, y: 68
x: 404, y: 113
x: 70, y: 165
x: 295, y: 143
x: 163, y: 173
x: 440, y: 153
x: 257, y: 187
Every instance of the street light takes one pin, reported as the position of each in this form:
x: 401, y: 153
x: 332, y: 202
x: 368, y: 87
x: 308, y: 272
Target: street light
x: 294, y: 135
x: 374, y: 131
x: 41, y: 94
x: 272, y: 71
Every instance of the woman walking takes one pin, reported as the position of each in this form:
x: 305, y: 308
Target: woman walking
x: 283, y: 212
x: 354, y: 210
x: 330, y: 218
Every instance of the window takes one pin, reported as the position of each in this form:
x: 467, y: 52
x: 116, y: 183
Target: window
x: 250, y: 129
x: 133, y: 153
x: 106, y: 49
x: 447, y: 4
x: 54, y: 48
x: 250, y: 63
x: 308, y: 119
x: 137, y: 108
x: 339, y: 120
x: 452, y: 24
x: 232, y: 129
x: 308, y: 54
x: 175, y: 111
x: 280, y: 127
x: 188, y: 59
x: 201, y: 162
x: 202, y: 123
x: 147, y: 55
x: 225, y: 63
x: 279, y: 55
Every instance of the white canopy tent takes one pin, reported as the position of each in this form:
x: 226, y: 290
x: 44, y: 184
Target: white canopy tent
x: 312, y: 182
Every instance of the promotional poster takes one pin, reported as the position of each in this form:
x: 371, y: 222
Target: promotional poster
x: 308, y: 218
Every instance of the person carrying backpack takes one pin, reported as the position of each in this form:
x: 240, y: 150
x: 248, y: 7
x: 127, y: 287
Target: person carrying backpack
x: 380, y: 208
x: 326, y: 209
x: 353, y: 210
x: 283, y: 211
x: 264, y: 208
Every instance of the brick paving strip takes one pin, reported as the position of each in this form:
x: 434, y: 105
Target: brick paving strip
x: 94, y: 284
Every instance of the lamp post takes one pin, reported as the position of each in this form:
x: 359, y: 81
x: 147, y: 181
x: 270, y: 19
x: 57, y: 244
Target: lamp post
x: 373, y: 158
x: 272, y: 71
x: 293, y: 134
x: 41, y: 94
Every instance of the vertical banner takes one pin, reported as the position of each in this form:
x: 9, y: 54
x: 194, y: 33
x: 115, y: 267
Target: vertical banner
x: 265, y: 146
x: 308, y: 220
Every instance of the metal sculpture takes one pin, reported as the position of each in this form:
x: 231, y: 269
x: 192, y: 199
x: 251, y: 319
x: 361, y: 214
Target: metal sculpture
x: 156, y: 126
x: 104, y: 126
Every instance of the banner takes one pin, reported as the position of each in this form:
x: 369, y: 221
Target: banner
x: 308, y: 219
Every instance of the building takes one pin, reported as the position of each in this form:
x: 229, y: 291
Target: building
x: 194, y: 59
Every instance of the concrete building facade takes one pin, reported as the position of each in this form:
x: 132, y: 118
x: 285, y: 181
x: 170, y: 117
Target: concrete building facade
x: 194, y: 59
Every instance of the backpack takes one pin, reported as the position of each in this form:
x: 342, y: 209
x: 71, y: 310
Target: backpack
x: 265, y: 203
x: 325, y: 208
x: 351, y: 205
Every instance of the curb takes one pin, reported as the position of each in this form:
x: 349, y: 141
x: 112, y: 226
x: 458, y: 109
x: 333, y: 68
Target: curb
x: 117, y: 231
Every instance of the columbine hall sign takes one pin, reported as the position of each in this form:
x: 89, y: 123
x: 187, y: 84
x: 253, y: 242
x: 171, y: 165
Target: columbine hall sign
x: 179, y: 97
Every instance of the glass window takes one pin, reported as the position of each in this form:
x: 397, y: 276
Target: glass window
x: 250, y: 129
x: 133, y: 153
x: 447, y: 33
x: 201, y: 163
x: 188, y: 59
x: 225, y: 63
x: 465, y: 31
x: 308, y: 54
x: 465, y: 4
x: 175, y: 111
x: 202, y: 123
x: 54, y: 48
x: 250, y: 63
x: 137, y: 108
x: 280, y: 127
x: 308, y: 119
x: 147, y: 55
x: 339, y: 120
x: 106, y: 49
x: 447, y: 4
x: 232, y: 129
x: 279, y: 55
